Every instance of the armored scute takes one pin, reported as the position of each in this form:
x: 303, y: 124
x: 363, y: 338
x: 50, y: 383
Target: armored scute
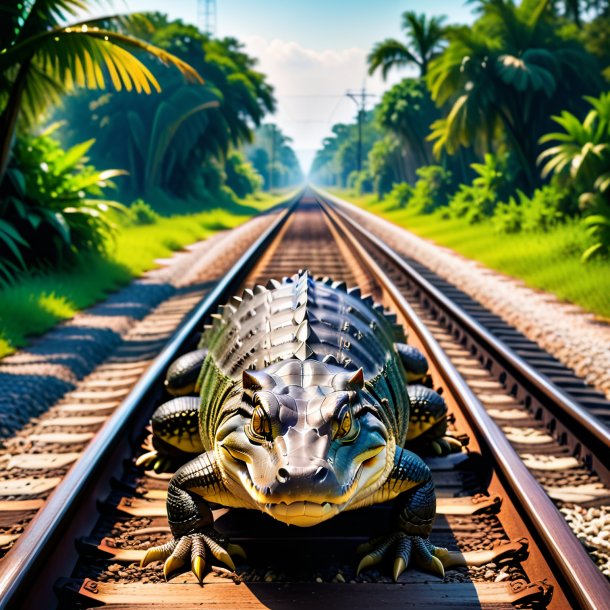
x: 303, y: 411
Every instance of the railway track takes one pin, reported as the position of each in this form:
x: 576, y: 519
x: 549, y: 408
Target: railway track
x: 489, y: 504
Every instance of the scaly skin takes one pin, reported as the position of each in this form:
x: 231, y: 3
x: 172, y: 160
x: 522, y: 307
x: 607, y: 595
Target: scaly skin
x: 304, y: 414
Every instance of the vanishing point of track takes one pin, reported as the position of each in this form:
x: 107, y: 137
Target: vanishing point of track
x: 84, y: 543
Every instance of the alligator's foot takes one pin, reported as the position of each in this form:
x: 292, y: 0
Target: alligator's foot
x: 444, y: 445
x: 154, y: 458
x: 199, y: 548
x: 406, y: 550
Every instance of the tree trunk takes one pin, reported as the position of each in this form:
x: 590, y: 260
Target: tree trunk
x: 8, y: 119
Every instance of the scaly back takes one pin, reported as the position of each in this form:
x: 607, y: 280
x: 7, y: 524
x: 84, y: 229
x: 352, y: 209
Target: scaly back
x: 304, y: 319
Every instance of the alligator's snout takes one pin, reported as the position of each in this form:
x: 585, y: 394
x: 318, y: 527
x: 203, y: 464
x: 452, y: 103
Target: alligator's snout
x: 314, y: 483
x: 319, y: 476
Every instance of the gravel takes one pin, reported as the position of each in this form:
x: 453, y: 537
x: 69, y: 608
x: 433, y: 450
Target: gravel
x: 35, y: 378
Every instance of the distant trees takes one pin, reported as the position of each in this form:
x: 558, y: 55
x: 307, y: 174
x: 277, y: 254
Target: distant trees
x: 273, y: 158
x: 337, y: 160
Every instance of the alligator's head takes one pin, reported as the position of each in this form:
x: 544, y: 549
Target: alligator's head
x: 303, y: 441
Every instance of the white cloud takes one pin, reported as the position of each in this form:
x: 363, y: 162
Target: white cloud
x: 310, y: 88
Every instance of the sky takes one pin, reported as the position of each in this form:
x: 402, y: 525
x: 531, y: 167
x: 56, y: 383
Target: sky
x: 312, y: 51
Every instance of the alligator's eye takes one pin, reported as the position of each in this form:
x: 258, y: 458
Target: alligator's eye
x: 260, y: 426
x: 344, y: 425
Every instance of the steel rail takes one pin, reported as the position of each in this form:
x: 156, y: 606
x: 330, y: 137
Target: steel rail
x: 586, y: 584
x: 28, y: 558
x: 589, y: 431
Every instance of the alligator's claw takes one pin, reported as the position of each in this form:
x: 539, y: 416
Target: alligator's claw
x: 407, y: 550
x: 196, y: 548
x: 156, y: 461
x: 445, y: 445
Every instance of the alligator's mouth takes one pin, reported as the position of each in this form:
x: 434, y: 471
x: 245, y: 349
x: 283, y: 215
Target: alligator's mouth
x: 302, y: 513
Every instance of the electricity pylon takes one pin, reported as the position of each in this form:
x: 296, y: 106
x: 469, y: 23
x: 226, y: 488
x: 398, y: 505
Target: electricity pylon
x: 206, y: 16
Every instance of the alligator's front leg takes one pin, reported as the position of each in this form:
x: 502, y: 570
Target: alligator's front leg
x: 191, y: 520
x: 411, y: 483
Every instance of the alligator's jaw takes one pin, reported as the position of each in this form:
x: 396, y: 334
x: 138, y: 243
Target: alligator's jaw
x: 303, y: 514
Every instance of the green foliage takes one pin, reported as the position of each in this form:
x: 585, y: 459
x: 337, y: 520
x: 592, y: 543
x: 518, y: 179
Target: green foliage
x: 542, y: 211
x: 598, y: 228
x: 407, y: 110
x: 43, y: 57
x: 165, y: 141
x: 51, y: 205
x: 432, y: 190
x: 583, y: 147
x: 581, y: 158
x: 400, y: 195
x: 503, y: 77
x: 492, y: 184
x: 140, y: 213
x: 242, y: 178
x: 545, y: 208
x: 385, y: 164
x: 508, y: 217
x: 361, y: 182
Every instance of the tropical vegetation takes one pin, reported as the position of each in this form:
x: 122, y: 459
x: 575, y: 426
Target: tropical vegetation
x: 121, y: 139
x: 506, y: 124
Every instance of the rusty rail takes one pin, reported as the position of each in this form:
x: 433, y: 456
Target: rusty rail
x: 584, y: 581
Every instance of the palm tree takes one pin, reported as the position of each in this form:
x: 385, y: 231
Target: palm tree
x: 164, y: 138
x: 44, y: 58
x: 406, y: 110
x: 503, y: 78
x: 424, y: 41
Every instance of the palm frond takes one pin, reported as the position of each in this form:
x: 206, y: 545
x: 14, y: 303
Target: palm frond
x: 390, y: 54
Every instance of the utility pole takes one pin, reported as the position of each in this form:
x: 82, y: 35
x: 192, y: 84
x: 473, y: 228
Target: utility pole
x: 272, y: 164
x: 359, y: 98
x: 206, y: 16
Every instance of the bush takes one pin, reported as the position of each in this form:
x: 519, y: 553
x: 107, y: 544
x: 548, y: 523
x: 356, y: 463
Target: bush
x: 400, y: 195
x: 51, y: 206
x: 432, y: 190
x: 478, y: 200
x: 539, y: 212
x: 508, y: 217
x: 140, y: 213
x: 544, y: 209
x: 242, y: 178
x: 363, y: 182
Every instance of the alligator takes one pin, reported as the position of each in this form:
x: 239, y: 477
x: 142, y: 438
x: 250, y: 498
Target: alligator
x: 308, y: 403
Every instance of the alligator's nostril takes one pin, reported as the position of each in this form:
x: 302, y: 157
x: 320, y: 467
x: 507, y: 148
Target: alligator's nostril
x: 282, y: 475
x: 320, y: 474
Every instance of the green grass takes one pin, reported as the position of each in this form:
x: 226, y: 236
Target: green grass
x: 548, y: 261
x: 36, y: 303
